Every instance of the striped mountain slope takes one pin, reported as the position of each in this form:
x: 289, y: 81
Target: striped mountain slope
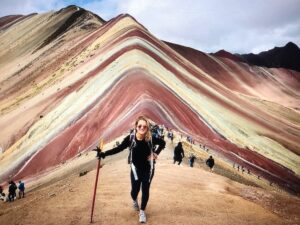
x: 69, y: 77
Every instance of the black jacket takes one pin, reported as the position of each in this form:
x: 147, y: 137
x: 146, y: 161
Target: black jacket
x: 140, y: 152
x: 12, y: 188
x: 210, y: 162
x: 178, y: 153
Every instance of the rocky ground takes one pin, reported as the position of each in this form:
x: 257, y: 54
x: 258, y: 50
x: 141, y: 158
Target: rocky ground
x: 179, y: 195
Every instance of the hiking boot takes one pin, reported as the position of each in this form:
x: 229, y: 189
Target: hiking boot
x: 143, y: 218
x: 135, y: 205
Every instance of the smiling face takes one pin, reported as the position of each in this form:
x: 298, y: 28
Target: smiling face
x: 142, y: 127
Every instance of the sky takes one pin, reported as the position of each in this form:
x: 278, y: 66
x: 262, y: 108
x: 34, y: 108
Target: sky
x: 238, y: 26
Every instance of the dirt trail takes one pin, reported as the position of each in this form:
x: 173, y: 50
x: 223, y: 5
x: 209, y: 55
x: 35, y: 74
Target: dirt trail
x: 179, y: 195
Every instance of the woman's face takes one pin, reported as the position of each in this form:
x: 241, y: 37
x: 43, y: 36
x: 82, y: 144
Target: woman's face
x: 142, y: 127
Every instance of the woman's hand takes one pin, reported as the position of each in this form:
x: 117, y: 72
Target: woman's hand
x: 154, y: 155
x: 100, y: 154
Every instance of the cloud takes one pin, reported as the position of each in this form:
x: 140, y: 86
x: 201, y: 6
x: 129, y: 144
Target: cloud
x: 211, y: 25
x: 24, y: 7
x: 207, y: 25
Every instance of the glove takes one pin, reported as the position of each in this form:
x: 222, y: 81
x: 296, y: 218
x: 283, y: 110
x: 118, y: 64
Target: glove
x: 100, y: 154
x: 97, y: 149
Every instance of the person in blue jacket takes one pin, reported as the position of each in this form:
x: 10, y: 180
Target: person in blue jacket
x: 21, y: 188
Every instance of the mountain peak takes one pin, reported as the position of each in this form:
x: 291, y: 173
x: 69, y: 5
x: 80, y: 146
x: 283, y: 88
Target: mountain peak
x: 291, y: 45
x: 71, y: 8
x: 75, y: 17
x: 225, y: 54
x: 287, y: 57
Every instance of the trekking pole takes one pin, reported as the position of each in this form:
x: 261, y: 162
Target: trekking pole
x: 97, y: 174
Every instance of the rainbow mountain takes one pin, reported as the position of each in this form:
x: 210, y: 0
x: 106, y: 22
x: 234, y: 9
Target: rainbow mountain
x: 68, y: 77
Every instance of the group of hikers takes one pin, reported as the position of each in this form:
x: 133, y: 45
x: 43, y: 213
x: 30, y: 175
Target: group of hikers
x: 145, y: 142
x: 12, y: 191
x: 179, y: 155
x: 242, y: 168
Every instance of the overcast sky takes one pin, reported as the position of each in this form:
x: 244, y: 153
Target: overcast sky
x: 238, y: 26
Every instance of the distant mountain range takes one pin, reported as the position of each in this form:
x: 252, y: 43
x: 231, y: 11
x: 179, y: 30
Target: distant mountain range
x: 287, y: 57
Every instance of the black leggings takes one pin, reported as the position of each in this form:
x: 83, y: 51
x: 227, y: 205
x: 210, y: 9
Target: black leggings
x: 11, y: 196
x: 178, y: 160
x: 143, y: 179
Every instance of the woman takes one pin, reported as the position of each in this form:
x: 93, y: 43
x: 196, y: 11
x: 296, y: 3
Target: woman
x: 143, y: 152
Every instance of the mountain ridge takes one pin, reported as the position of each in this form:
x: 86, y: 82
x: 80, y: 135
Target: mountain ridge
x: 119, y: 70
x: 287, y: 57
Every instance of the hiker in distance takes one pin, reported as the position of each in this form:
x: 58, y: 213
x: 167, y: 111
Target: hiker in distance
x: 144, y: 150
x: 12, y: 191
x: 178, y: 153
x: 210, y: 162
x: 192, y: 159
x: 21, y: 189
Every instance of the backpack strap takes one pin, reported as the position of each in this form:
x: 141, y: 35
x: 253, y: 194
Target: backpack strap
x: 132, y: 145
x: 150, y: 144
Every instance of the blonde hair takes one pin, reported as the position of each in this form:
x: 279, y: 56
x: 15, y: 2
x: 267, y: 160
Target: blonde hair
x: 148, y: 134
